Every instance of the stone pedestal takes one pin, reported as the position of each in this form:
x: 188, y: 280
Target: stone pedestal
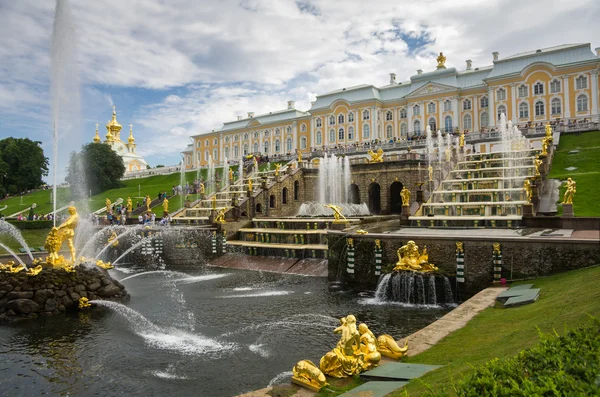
x: 568, y: 211
x: 528, y: 210
x: 404, y: 215
x: 213, y: 216
x: 419, y: 196
x: 341, y: 225
x: 249, y: 193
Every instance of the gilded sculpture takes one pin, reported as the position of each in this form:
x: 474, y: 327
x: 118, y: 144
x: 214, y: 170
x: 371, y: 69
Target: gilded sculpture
x: 405, y: 195
x: 570, y: 192
x: 148, y: 203
x: 230, y: 175
x: 430, y: 172
x: 221, y: 215
x: 387, y: 346
x: 345, y: 359
x: 461, y: 139
x: 104, y: 265
x: 459, y: 247
x: 361, y: 231
x: 376, y: 157
x: 129, y: 204
x: 441, y: 60
x: 409, y: 258
x: 496, y: 248
x: 34, y: 271
x: 545, y: 144
x: 113, y: 238
x: 368, y: 347
x: 84, y: 303
x: 537, y: 163
x: 306, y: 373
x: 337, y: 213
x: 528, y: 190
x: 108, y: 204
x: 277, y: 167
x: 11, y: 268
x: 249, y: 184
x: 378, y: 244
x: 350, y: 242
x: 165, y: 205
x: 56, y: 238
x: 549, y: 133
x: 214, y: 202
x: 299, y: 155
x: 202, y: 189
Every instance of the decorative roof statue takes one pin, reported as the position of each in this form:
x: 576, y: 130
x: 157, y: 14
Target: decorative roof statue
x: 441, y: 60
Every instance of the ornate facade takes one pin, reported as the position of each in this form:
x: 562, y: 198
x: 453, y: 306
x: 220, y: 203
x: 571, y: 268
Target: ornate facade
x: 133, y: 162
x: 556, y: 83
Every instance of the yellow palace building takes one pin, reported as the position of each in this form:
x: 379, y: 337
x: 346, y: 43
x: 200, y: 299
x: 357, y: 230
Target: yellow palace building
x: 550, y: 84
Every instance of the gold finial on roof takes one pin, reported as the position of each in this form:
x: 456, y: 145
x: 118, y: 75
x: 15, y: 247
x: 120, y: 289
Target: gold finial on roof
x: 97, y: 136
x: 131, y: 139
x: 113, y: 127
x: 441, y: 60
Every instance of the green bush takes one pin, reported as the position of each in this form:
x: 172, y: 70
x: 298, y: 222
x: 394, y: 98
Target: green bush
x: 31, y: 224
x: 566, y: 365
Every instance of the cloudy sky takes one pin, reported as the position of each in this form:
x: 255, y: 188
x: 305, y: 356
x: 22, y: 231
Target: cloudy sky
x: 174, y: 68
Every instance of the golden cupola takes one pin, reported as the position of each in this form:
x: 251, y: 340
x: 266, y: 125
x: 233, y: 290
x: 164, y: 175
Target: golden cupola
x: 131, y: 139
x: 113, y: 128
x: 97, y: 136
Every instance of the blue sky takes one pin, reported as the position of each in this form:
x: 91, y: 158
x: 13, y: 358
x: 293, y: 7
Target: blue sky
x: 175, y: 68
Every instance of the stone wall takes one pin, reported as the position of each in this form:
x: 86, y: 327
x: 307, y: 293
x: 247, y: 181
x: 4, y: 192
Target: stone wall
x: 54, y: 291
x: 523, y: 258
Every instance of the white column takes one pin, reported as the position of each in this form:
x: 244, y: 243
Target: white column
x: 295, y: 137
x: 395, y: 115
x: 475, y: 113
x: 513, y: 100
x: 567, y: 99
x: 594, y: 112
x: 373, y: 123
x: 441, y: 124
x: 409, y: 113
x: 456, y: 113
x: 492, y: 107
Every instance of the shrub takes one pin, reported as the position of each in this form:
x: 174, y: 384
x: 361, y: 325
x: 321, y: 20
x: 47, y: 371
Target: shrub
x: 31, y: 224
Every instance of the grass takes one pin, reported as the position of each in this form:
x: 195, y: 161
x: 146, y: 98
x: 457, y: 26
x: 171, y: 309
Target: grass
x: 33, y: 237
x: 587, y: 161
x: 566, y: 301
x: 41, y: 198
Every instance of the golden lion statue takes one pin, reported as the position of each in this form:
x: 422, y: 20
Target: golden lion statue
x: 305, y: 373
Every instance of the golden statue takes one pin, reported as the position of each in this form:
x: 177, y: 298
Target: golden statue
x: 113, y: 238
x: 221, y: 215
x: 108, y: 204
x: 387, y: 346
x: 496, y: 247
x: 368, y: 347
x: 570, y: 192
x: 299, y: 155
x: 202, y: 189
x: 405, y: 196
x: 409, y: 258
x: 337, y: 213
x: 430, y: 171
x: 537, y: 163
x: 165, y: 205
x: 461, y: 139
x: 214, y: 201
x: 528, y: 190
x: 249, y: 184
x: 56, y: 238
x: 544, y: 147
x: 459, y: 247
x: 378, y: 244
x: 11, y: 268
x: 129, y: 204
x: 549, y: 133
x: 344, y: 359
x: 230, y: 175
x: 306, y: 374
x: 84, y: 303
x: 34, y: 271
x: 441, y: 60
x: 376, y: 157
x: 361, y: 231
x: 255, y: 163
x: 277, y: 167
x: 104, y: 265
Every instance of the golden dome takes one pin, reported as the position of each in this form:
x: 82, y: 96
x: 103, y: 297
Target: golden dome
x: 131, y: 139
x: 113, y: 127
x: 97, y: 136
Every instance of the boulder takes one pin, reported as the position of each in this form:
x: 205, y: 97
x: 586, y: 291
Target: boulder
x: 23, y: 306
x: 75, y: 296
x: 94, y: 286
x: 79, y: 288
x: 50, y: 305
x: 60, y: 293
x: 42, y: 295
x: 19, y: 295
x: 109, y: 291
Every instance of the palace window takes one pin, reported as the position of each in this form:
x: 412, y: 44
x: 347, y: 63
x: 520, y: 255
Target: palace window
x: 467, y: 104
x: 319, y: 137
x: 582, y: 103
x: 332, y: 135
x: 431, y: 107
x: 303, y: 128
x: 236, y: 152
x: 448, y: 123
x: 581, y: 82
x: 351, y: 117
x: 246, y: 136
x: 206, y: 143
x: 288, y: 143
x: 266, y: 133
x: 403, y: 113
x: 277, y: 146
x: 447, y: 105
x: 538, y: 89
x: 331, y: 120
x: 255, y: 135
x: 388, y: 116
x: 523, y: 110
x: 215, y: 155
x: 236, y: 138
x: 255, y: 148
x: 206, y: 155
x: 246, y: 149
x: 366, y: 115
x: 417, y: 127
x: 303, y: 142
x: 215, y: 141
x: 266, y: 147
x: 467, y: 122
x: 484, y: 102
x: 366, y: 131
x: 288, y: 130
x: 389, y: 132
x: 485, y: 119
x: 341, y: 119
x: 379, y: 131
x: 555, y: 106
x: 501, y: 111
x: 198, y: 144
x: 350, y: 133
x: 522, y: 91
x: 555, y: 86
x: 277, y: 131
x: 501, y: 94
x: 432, y: 124
x: 403, y: 130
x: 539, y: 108
x: 226, y: 152
x: 319, y: 123
x: 341, y: 134
x: 416, y: 110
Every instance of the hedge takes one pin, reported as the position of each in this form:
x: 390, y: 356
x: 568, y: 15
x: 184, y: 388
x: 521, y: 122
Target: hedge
x: 31, y: 224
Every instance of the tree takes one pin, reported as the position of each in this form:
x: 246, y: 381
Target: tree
x: 22, y: 164
x: 101, y: 166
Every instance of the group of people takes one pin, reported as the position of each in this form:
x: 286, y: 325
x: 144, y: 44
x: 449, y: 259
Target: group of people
x: 148, y: 219
x: 35, y: 217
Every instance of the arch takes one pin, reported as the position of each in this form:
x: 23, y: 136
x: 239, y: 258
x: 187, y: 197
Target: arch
x: 277, y: 145
x: 432, y: 124
x: 272, y: 201
x: 448, y: 123
x: 395, y: 200
x: 403, y: 131
x: 555, y: 106
x: 319, y: 137
x: 296, y: 190
x: 417, y: 127
x: 467, y: 122
x: 375, y: 198
x: 284, y: 195
x: 582, y: 103
x: 540, y: 108
x: 303, y: 142
x: 485, y: 119
x: 354, y: 194
x: 258, y: 207
x: 389, y: 132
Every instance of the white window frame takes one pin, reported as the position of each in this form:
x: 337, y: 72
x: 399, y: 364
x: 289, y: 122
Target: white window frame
x: 417, y: 127
x: 581, y: 82
x: 467, y: 125
x: 484, y: 102
x: 416, y: 110
x: 318, y: 122
x: 555, y: 86
x: 484, y: 122
x: 366, y: 131
x: 523, y: 91
x: 582, y: 103
x: 537, y: 109
x: 366, y: 114
x: 319, y: 138
x: 553, y: 108
x: 501, y: 94
x: 350, y: 117
x: 523, y: 110
x: 341, y: 134
x: 447, y: 105
x: 341, y: 118
x: 467, y: 104
x: 389, y: 132
x: 289, y: 144
x: 403, y: 113
x: 431, y: 107
x: 389, y: 116
x: 303, y: 142
x: 538, y: 88
x: 332, y: 120
x: 332, y: 135
x: 350, y: 133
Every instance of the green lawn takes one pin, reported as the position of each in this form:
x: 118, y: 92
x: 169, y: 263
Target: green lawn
x: 33, y: 237
x: 41, y: 198
x: 587, y: 161
x: 566, y: 301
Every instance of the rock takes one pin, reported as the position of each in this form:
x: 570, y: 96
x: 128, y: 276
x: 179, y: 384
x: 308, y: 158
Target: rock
x: 79, y: 288
x: 75, y: 296
x: 17, y: 289
x: 67, y: 301
x: 118, y: 284
x: 19, y: 295
x: 83, y: 294
x: 105, y: 281
x: 50, y: 305
x: 42, y: 295
x: 3, y: 304
x: 46, y: 314
x: 11, y: 313
x: 109, y: 291
x: 60, y: 293
x: 62, y: 308
x: 3, y: 293
x: 55, y: 312
x: 23, y: 306
x: 92, y: 296
x: 94, y: 286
